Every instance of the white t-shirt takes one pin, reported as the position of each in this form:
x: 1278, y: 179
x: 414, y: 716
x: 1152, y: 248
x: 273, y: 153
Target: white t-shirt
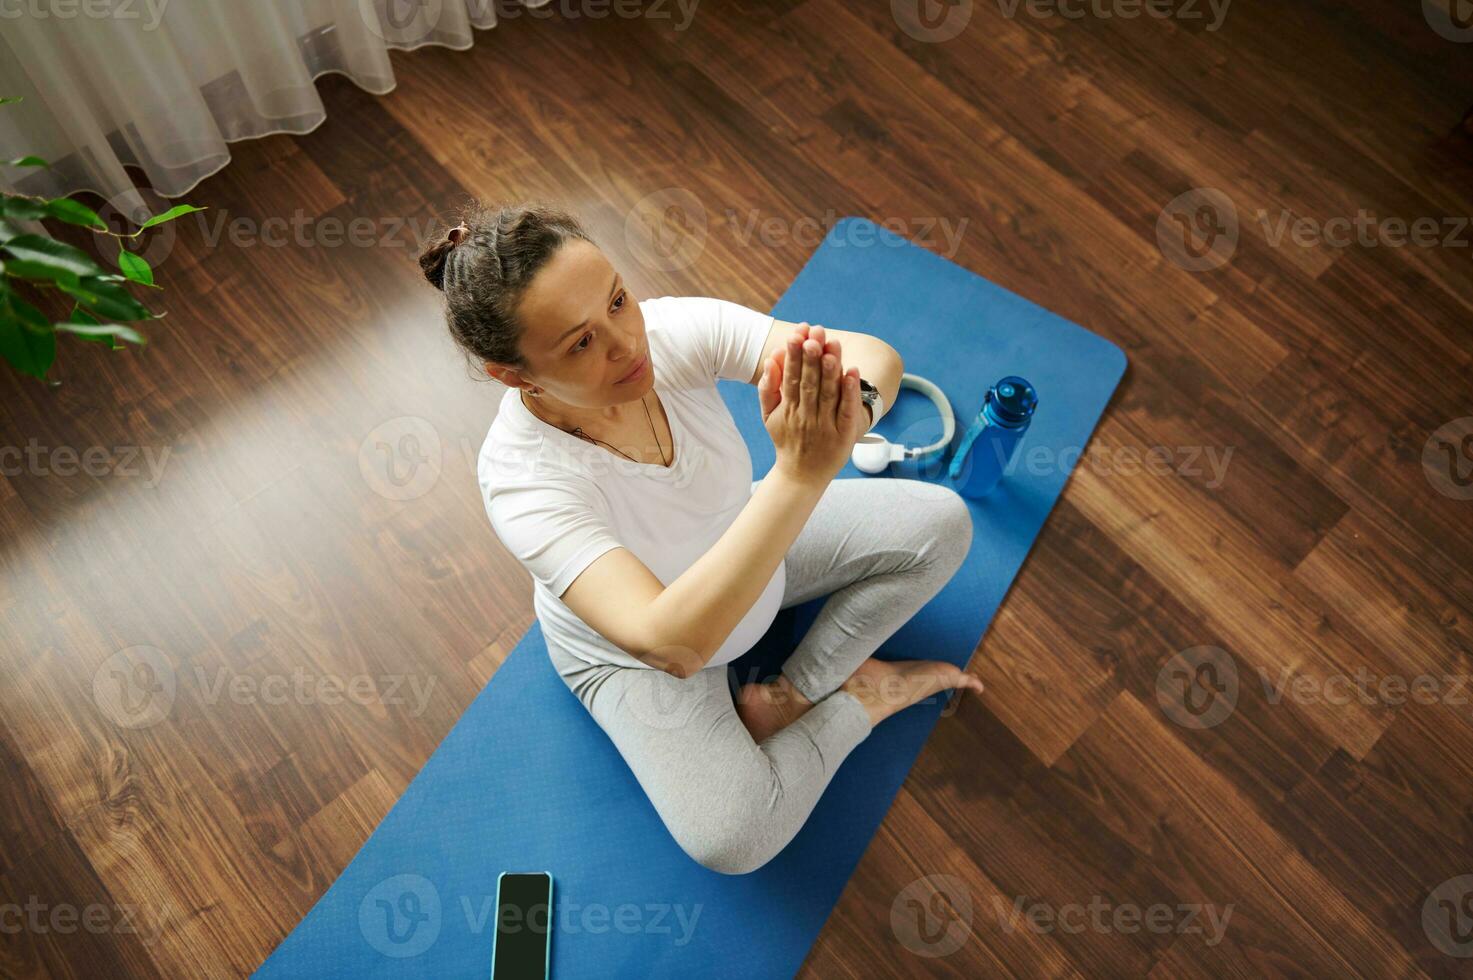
x: 558, y: 502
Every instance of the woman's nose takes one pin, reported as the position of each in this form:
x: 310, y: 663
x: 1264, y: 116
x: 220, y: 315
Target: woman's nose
x: 629, y: 349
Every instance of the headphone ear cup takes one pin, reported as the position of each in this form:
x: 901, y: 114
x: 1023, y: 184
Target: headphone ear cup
x: 871, y: 454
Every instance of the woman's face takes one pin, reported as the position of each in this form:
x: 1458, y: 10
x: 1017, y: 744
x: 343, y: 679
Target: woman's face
x: 583, y: 331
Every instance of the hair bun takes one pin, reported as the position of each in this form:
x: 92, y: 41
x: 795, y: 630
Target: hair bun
x: 435, y: 257
x: 433, y: 260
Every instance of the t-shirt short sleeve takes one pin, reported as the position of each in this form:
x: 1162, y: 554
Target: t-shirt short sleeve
x: 551, y: 527
x: 727, y: 338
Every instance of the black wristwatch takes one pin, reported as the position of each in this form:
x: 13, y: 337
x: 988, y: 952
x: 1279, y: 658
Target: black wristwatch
x: 870, y: 395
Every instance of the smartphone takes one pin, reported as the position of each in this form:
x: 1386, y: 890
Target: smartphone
x: 522, y: 946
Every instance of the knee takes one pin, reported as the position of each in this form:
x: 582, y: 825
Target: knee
x: 734, y: 845
x: 950, y: 526
x: 728, y: 860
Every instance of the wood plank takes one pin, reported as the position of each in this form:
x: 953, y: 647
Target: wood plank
x: 270, y: 540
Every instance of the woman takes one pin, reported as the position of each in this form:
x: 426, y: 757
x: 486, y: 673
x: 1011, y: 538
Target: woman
x: 616, y: 475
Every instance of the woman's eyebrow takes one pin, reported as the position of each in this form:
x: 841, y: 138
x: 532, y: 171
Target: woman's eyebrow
x: 613, y: 285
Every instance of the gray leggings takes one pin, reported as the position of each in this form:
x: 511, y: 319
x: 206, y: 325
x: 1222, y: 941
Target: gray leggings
x: 882, y: 547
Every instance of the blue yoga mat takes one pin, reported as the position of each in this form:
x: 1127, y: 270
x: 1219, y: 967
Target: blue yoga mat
x: 527, y: 781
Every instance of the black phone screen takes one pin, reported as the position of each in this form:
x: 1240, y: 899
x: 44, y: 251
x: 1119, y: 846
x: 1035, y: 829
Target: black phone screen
x: 523, y: 923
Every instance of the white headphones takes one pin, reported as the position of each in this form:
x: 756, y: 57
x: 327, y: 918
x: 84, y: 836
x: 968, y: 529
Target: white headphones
x: 873, y: 452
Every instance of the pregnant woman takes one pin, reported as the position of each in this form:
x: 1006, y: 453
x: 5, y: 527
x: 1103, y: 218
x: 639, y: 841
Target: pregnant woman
x: 614, y: 472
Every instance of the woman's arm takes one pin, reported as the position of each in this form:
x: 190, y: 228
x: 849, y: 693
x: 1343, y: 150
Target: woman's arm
x: 679, y: 627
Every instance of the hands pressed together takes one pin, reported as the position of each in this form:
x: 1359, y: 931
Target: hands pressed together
x: 811, y: 406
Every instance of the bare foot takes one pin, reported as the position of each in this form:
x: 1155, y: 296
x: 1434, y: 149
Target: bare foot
x: 767, y: 708
x: 886, y: 687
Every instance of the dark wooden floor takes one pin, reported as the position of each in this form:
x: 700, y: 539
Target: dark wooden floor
x: 1088, y: 786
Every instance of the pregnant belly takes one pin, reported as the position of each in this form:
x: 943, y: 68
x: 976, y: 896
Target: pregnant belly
x: 756, y: 623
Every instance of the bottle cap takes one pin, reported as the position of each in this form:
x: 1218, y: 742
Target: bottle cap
x: 1013, y: 399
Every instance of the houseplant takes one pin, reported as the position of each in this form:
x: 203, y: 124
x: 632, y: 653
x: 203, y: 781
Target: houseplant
x: 102, y: 304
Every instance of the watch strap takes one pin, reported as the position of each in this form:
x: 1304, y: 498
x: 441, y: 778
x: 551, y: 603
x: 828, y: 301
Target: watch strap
x: 873, y: 400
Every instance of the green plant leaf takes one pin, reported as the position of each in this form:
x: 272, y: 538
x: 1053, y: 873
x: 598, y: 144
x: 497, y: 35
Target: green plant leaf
x: 27, y: 314
x: 81, y: 317
x: 25, y: 162
x: 12, y: 99
x: 107, y: 300
x: 27, y: 339
x: 40, y: 272
x: 175, y: 212
x: 102, y: 331
x: 7, y: 231
x: 24, y: 350
x: 22, y: 208
x: 135, y: 267
x: 49, y: 251
x: 73, y: 213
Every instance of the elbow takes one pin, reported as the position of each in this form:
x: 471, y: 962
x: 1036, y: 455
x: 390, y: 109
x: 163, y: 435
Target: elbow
x: 898, y: 360
x: 674, y: 659
x: 684, y: 665
x: 670, y: 643
x: 678, y: 669
x: 882, y: 365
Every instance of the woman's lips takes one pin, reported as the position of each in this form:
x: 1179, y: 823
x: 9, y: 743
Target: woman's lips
x: 634, y: 374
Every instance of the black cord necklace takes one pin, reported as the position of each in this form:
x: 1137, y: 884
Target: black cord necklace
x: 578, y: 431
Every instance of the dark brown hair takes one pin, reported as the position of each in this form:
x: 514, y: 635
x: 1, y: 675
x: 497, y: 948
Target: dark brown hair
x: 484, y: 267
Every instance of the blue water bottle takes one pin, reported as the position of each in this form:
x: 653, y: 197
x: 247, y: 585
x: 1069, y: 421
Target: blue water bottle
x: 991, y: 440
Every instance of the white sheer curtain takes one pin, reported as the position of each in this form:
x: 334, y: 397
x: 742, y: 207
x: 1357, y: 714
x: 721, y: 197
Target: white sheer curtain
x: 166, y: 84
